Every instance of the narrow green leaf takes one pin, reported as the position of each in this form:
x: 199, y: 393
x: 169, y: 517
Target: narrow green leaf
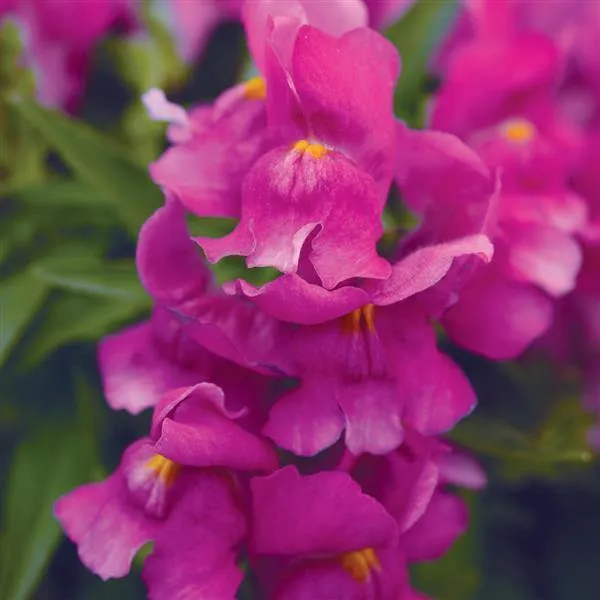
x: 92, y: 276
x: 561, y: 442
x: 76, y: 318
x: 91, y: 418
x: 59, y: 194
x: 493, y: 438
x: 97, y: 161
x: 16, y: 232
x: 416, y: 36
x: 44, y: 467
x: 152, y: 61
x: 20, y: 298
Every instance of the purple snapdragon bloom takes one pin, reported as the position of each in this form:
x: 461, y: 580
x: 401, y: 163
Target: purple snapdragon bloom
x: 144, y: 361
x: 195, y: 447
x: 361, y: 349
x: 305, y: 152
x: 514, y: 119
x: 324, y: 537
x: 320, y: 537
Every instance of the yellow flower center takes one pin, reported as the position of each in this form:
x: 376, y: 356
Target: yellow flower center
x: 255, y: 89
x: 314, y: 149
x: 519, y: 130
x: 164, y: 469
x: 353, y: 322
x: 360, y: 563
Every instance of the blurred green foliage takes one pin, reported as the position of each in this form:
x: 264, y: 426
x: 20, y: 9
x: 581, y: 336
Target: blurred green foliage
x: 73, y: 194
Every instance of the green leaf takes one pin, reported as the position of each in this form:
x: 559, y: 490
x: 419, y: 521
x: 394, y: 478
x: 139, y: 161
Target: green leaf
x: 416, y: 36
x: 44, y: 467
x: 560, y: 442
x: 493, y: 438
x: 97, y: 161
x: 92, y: 276
x: 151, y: 61
x: 59, y: 194
x: 72, y: 318
x: 88, y: 399
x: 10, y: 42
x: 20, y: 298
x: 146, y: 136
x: 16, y: 231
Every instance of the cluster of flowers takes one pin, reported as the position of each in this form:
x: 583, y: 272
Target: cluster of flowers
x: 296, y: 424
x: 533, y: 114
x: 59, y: 36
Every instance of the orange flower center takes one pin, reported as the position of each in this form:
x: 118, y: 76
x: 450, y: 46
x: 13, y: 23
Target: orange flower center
x: 361, y: 317
x: 312, y: 148
x: 359, y: 563
x: 164, y: 469
x: 519, y: 130
x: 255, y: 89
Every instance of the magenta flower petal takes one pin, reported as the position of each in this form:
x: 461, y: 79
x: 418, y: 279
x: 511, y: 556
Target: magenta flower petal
x: 498, y: 317
x: 544, y: 256
x: 306, y: 420
x: 235, y: 329
x: 206, y: 171
x: 373, y: 411
x: 443, y: 400
x: 198, y: 571
x: 189, y: 404
x: 533, y: 157
x: 192, y: 427
x: 290, y: 193
x: 59, y: 40
x: 334, y: 17
x: 459, y: 468
x: 564, y: 210
x: 193, y: 24
x: 327, y: 579
x: 195, y: 553
x: 414, y: 504
x: 6, y: 5
x: 136, y: 371
x: 322, y: 513
x: 446, y: 183
x: 403, y: 481
x: 370, y: 363
x: 432, y: 536
x: 337, y: 16
x: 320, y: 580
x: 339, y: 364
x: 433, y: 403
x: 508, y: 72
x: 384, y: 12
x: 169, y: 265
x: 107, y: 528
x: 426, y: 266
x: 347, y: 107
x: 291, y: 298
